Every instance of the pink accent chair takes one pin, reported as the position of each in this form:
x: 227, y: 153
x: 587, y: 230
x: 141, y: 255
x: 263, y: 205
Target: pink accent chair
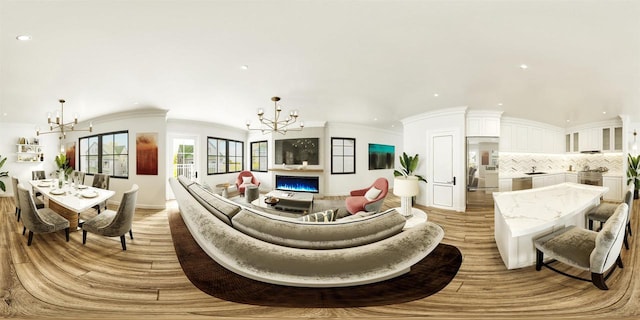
x: 358, y: 202
x: 241, y: 185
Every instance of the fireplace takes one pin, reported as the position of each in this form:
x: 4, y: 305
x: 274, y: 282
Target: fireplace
x: 298, y: 183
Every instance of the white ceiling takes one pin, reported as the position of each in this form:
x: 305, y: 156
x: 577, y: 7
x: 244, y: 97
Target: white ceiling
x: 336, y: 61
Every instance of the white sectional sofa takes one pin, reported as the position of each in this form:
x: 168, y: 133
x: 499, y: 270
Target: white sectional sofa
x: 287, y: 251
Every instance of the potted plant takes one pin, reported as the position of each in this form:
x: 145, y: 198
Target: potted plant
x: 63, y: 166
x: 409, y: 165
x: 406, y: 182
x: 633, y: 173
x: 3, y: 174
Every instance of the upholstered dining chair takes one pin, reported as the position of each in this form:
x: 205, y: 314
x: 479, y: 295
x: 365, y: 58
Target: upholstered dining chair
x: 245, y: 178
x: 369, y: 199
x: 114, y: 223
x: 42, y: 220
x: 38, y: 175
x: 100, y: 181
x: 604, y: 210
x: 16, y: 198
x: 78, y: 176
x: 597, y: 252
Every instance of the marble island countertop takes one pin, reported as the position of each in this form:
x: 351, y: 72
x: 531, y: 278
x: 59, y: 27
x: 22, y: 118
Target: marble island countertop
x: 527, y: 211
x: 510, y: 175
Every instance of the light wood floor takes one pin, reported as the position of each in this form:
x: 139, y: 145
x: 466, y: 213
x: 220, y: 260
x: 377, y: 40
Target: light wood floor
x: 54, y: 279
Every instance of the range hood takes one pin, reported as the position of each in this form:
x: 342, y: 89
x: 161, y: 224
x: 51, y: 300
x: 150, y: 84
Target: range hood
x: 590, y: 151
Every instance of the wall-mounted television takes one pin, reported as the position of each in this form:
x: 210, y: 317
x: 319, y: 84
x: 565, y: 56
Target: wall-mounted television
x: 294, y: 151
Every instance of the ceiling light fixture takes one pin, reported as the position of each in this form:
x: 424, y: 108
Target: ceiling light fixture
x: 58, y: 126
x: 244, y: 67
x: 524, y: 66
x: 276, y: 125
x: 436, y: 95
x: 23, y: 37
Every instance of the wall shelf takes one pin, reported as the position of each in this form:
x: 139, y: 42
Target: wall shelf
x: 29, y: 153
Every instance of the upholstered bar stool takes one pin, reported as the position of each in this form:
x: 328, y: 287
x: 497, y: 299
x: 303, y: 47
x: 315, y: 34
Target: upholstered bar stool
x: 251, y: 192
x: 603, y: 212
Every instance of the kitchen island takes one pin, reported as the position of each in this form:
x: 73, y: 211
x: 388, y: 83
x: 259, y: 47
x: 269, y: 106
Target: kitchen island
x: 521, y: 216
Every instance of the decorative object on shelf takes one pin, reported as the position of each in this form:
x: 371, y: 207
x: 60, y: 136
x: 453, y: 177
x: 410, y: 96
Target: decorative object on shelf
x: 276, y: 125
x: 633, y: 173
x: 406, y: 187
x: 3, y: 174
x: 58, y: 126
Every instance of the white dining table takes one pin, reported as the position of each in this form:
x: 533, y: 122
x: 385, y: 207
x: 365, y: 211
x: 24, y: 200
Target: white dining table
x: 70, y: 201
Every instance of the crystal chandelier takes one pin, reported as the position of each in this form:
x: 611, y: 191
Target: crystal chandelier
x: 58, y: 126
x: 276, y: 125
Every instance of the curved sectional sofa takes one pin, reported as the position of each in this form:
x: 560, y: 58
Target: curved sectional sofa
x: 287, y: 251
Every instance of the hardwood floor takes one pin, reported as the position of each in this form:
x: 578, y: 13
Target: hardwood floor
x: 55, y: 279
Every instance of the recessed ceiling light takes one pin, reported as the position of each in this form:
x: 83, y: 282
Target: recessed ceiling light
x: 568, y: 120
x: 23, y: 37
x: 375, y: 119
x: 435, y: 94
x: 500, y: 104
x: 524, y: 66
x: 244, y: 67
x: 604, y: 112
x: 4, y: 114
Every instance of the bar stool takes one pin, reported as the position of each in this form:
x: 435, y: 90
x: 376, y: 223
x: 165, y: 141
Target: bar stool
x: 604, y: 211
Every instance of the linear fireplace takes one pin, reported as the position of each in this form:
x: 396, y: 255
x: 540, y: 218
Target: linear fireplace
x: 298, y: 183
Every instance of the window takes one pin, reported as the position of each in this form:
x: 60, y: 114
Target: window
x: 343, y: 155
x: 259, y: 156
x: 224, y: 156
x: 106, y: 153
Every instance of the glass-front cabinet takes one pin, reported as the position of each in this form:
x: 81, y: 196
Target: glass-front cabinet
x: 612, y: 139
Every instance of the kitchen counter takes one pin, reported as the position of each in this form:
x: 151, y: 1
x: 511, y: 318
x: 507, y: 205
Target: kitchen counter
x: 511, y: 175
x: 521, y: 216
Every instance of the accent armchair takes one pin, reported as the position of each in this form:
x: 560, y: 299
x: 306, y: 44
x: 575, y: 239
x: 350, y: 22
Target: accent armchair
x: 245, y: 178
x: 597, y: 252
x: 114, y: 224
x: 42, y: 220
x: 369, y: 199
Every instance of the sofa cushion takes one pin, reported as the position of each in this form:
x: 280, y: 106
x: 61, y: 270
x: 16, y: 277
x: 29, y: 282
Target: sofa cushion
x: 312, y: 235
x: 322, y: 216
x: 372, y: 193
x: 216, y: 204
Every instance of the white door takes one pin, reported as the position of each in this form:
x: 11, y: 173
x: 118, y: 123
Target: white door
x: 443, y: 177
x: 184, y: 157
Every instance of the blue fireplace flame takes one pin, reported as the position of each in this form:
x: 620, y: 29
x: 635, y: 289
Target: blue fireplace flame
x: 298, y: 183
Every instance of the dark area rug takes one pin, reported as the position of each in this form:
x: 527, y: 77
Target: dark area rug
x: 427, y: 277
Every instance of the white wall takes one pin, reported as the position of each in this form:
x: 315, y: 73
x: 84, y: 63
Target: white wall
x: 200, y: 131
x: 342, y: 184
x: 8, y: 149
x: 416, y: 131
x: 152, y: 187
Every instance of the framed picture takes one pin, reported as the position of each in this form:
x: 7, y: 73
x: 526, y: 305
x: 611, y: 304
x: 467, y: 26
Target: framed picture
x: 381, y: 156
x: 147, y: 153
x: 343, y: 155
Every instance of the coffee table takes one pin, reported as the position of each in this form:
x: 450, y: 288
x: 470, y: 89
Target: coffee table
x: 288, y: 201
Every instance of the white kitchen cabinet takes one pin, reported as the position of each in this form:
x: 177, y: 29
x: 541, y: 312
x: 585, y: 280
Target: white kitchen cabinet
x: 590, y: 139
x: 615, y: 188
x: 611, y: 138
x: 483, y: 123
x: 519, y: 135
x: 547, y: 180
x: 505, y: 184
x: 537, y: 182
x: 571, y: 177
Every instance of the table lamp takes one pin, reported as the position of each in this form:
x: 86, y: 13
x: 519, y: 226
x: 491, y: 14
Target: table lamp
x: 405, y: 188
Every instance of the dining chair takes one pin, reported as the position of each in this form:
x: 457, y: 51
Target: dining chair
x: 114, y: 223
x: 16, y: 198
x: 38, y: 175
x: 100, y: 181
x: 78, y: 176
x: 42, y: 220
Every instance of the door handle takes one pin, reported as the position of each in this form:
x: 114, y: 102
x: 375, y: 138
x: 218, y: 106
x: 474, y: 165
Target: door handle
x: 453, y: 182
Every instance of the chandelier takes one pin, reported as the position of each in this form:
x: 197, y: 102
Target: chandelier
x: 58, y: 126
x: 276, y: 125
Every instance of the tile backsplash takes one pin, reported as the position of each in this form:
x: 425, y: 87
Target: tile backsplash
x: 523, y: 162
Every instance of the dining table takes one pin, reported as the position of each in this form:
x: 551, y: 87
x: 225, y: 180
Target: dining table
x: 69, y: 200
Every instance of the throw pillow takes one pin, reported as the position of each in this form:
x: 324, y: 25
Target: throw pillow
x: 246, y: 180
x: 322, y: 216
x: 372, y: 193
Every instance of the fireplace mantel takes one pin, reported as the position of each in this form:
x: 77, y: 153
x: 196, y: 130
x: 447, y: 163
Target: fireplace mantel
x: 295, y: 170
